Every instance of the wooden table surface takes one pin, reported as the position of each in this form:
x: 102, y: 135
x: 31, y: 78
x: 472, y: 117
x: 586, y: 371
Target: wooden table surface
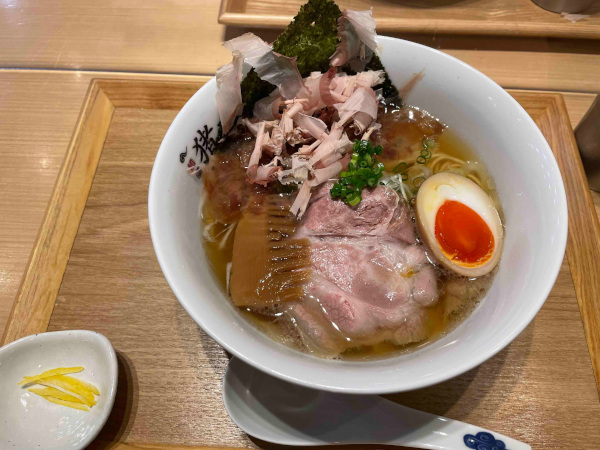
x: 50, y: 50
x: 489, y: 17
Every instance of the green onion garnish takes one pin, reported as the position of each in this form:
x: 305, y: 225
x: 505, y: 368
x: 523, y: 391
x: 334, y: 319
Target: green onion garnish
x: 425, y: 154
x: 401, y: 168
x: 363, y: 170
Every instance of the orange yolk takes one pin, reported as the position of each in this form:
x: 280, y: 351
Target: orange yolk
x: 462, y: 234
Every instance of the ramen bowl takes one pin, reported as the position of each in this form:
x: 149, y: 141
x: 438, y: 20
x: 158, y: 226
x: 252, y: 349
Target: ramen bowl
x: 528, y: 184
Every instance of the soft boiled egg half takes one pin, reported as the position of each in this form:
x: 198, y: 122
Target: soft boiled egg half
x: 460, y: 224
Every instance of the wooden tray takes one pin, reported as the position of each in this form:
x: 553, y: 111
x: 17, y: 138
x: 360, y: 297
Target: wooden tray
x: 483, y: 17
x: 93, y: 267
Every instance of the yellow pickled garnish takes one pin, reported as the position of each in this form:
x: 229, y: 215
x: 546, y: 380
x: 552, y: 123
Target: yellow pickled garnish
x: 56, y: 382
x: 77, y: 382
x: 56, y: 393
x: 62, y: 389
x: 58, y: 401
x: 49, y: 373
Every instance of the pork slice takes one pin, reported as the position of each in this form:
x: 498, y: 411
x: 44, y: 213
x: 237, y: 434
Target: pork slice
x: 345, y: 312
x: 380, y: 213
x: 367, y: 289
x: 424, y: 289
x: 367, y: 268
x: 316, y: 332
x: 321, y: 191
x: 330, y: 320
x: 385, y: 274
x: 401, y: 226
x: 371, y: 281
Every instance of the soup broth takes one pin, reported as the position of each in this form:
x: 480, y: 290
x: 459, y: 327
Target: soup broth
x: 406, y: 132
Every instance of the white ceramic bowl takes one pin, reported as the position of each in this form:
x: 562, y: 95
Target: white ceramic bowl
x: 28, y: 421
x: 529, y: 185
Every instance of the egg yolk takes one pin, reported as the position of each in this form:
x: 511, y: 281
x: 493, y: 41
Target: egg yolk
x: 462, y: 234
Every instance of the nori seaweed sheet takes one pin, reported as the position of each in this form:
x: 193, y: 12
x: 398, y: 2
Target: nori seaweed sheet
x: 312, y: 38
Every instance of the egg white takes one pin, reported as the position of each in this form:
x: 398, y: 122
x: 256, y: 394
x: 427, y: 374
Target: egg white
x: 445, y: 186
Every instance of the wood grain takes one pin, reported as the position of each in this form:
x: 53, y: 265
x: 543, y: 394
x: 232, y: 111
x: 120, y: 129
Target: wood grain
x: 583, y: 248
x: 184, y: 37
x: 170, y: 372
x: 40, y: 109
x: 596, y: 199
x: 34, y: 303
x: 137, y: 35
x: 177, y: 373
x: 151, y: 94
x: 494, y: 17
x: 121, y: 446
x: 39, y: 112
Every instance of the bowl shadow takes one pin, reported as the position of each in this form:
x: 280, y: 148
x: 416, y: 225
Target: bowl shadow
x: 124, y: 410
x: 458, y: 397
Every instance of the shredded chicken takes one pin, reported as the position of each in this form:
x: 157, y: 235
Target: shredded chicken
x: 321, y: 156
x: 316, y: 127
x: 301, y: 127
x: 356, y: 30
x: 229, y: 94
x: 250, y: 46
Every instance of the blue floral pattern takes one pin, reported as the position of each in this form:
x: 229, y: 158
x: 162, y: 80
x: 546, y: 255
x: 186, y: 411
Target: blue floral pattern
x: 483, y: 441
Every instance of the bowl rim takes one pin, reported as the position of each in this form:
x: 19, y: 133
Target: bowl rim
x: 522, y: 322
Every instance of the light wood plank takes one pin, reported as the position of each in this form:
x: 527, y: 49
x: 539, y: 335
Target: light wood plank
x: 137, y: 35
x: 45, y: 268
x: 151, y: 94
x: 39, y: 110
x: 493, y: 17
x: 180, y: 374
x: 114, y: 285
x: 184, y: 37
x: 34, y: 304
x: 583, y: 249
x: 577, y: 105
x: 596, y: 200
x: 532, y: 70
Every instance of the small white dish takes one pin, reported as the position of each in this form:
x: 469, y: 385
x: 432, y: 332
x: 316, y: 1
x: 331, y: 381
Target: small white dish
x: 28, y: 421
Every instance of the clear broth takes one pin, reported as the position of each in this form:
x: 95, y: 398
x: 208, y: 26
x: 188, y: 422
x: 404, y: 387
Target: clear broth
x: 459, y: 296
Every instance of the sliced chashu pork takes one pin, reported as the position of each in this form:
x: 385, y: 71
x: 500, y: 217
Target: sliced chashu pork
x: 371, y: 279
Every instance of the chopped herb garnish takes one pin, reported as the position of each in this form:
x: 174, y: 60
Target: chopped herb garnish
x: 417, y: 182
x: 363, y: 171
x: 401, y: 168
x: 425, y: 152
